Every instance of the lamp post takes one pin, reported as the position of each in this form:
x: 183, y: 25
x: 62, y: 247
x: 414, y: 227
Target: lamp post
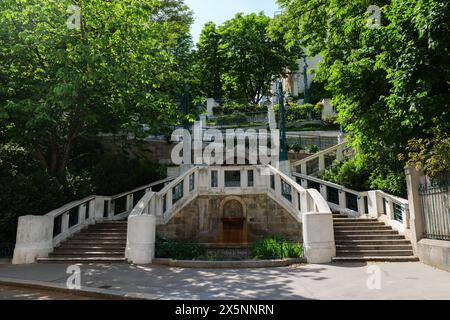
x: 283, y: 155
x: 185, y: 105
x: 305, y: 79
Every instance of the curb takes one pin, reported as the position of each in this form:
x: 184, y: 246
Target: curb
x: 84, y: 291
x: 244, y: 264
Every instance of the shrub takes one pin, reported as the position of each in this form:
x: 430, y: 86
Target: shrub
x: 276, y: 248
x: 235, y: 118
x: 313, y: 149
x: 179, y: 250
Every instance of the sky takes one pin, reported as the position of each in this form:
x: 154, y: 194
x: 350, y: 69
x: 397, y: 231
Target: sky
x: 219, y: 11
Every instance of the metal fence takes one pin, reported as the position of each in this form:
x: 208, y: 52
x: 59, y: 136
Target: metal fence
x: 435, y: 200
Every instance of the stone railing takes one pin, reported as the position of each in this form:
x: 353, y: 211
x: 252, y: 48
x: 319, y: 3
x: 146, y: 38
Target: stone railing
x: 38, y: 235
x: 374, y: 204
x: 159, y: 208
x: 317, y: 163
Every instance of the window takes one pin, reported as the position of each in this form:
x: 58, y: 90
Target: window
x: 232, y: 179
x: 398, y: 213
x: 164, y: 203
x: 352, y: 201
x: 73, y: 217
x: 214, y: 179
x: 105, y: 209
x: 333, y: 195
x: 177, y: 192
x: 250, y: 178
x: 120, y: 205
x: 286, y: 190
x: 191, y: 182
x: 57, y: 226
x: 87, y: 205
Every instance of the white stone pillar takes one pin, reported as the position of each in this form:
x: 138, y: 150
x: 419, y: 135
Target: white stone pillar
x: 34, y: 239
x: 318, y: 237
x: 415, y: 208
x: 141, y: 236
x: 372, y: 198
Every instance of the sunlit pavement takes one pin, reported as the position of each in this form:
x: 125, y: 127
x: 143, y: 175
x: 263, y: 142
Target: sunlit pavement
x: 336, y: 281
x: 15, y: 293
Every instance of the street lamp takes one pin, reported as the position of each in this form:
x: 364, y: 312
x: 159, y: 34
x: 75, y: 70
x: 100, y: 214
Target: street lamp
x: 283, y: 155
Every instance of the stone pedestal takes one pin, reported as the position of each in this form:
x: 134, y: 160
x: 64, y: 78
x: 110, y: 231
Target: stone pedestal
x: 141, y: 239
x: 318, y: 237
x: 34, y: 239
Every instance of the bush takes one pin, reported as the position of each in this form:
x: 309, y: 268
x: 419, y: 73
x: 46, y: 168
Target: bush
x: 235, y: 118
x: 276, y: 248
x: 363, y: 173
x: 178, y: 250
x: 313, y: 149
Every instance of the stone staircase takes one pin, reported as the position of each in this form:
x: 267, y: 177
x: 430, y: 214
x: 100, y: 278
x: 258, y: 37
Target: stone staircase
x: 100, y: 243
x: 364, y: 240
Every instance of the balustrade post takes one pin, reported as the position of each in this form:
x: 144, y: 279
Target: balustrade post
x: 34, y: 239
x: 342, y: 200
x: 99, y: 207
x: 374, y: 207
x: 321, y: 162
x: 304, y: 168
x: 415, y: 213
x: 340, y: 153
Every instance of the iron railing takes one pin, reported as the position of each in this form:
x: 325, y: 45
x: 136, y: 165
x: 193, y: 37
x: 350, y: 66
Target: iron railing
x: 435, y: 200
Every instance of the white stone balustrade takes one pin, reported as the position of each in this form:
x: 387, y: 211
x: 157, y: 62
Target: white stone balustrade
x: 377, y: 204
x: 38, y: 235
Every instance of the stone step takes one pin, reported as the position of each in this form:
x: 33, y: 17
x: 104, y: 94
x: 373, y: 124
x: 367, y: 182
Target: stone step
x: 355, y: 247
x: 373, y: 253
x: 398, y: 242
x: 65, y: 248
x: 73, y: 242
x: 371, y: 237
x: 101, y: 238
x: 348, y: 219
x: 341, y: 233
x: 95, y: 228
x: 77, y: 253
x: 376, y: 259
x: 102, y: 232
x: 358, y: 223
x: 362, y: 228
x: 82, y: 260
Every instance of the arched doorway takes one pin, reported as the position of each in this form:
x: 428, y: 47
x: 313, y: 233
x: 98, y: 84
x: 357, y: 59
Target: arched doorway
x: 234, y: 226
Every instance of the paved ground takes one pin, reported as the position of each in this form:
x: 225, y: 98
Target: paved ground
x: 337, y: 281
x: 15, y: 293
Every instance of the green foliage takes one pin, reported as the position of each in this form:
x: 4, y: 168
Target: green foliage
x: 178, y: 250
x: 364, y: 173
x: 118, y: 71
x: 26, y: 189
x: 239, y: 59
x: 235, y: 118
x: 295, y: 112
x: 313, y: 148
x: 296, y: 147
x: 276, y: 248
x: 390, y: 84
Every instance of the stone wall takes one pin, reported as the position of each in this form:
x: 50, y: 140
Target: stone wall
x: 201, y: 220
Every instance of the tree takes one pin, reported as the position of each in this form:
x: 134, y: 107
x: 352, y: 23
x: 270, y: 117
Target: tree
x: 390, y: 82
x: 114, y: 71
x: 240, y: 59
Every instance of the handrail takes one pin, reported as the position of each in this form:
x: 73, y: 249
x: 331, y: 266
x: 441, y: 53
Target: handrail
x: 375, y: 203
x: 91, y: 209
x: 320, y: 156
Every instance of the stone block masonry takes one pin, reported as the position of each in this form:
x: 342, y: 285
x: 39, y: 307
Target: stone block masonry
x: 251, y: 218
